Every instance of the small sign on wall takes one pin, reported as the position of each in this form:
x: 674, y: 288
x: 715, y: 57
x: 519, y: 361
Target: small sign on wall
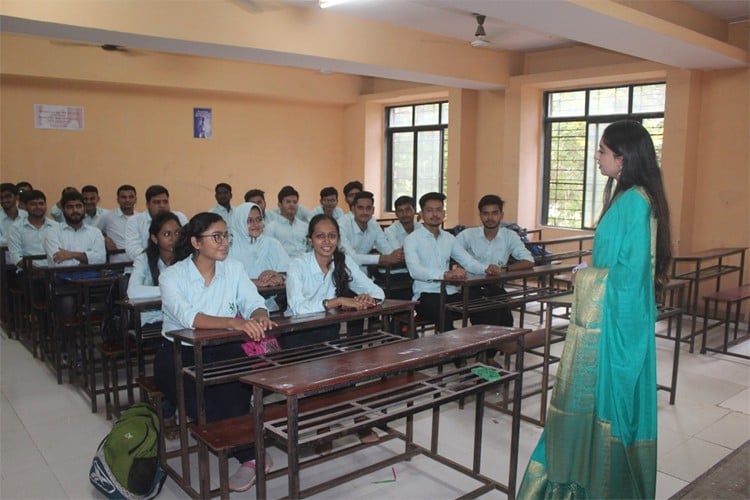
x: 202, y: 123
x: 52, y: 116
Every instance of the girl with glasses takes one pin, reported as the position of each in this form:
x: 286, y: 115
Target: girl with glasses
x: 204, y: 289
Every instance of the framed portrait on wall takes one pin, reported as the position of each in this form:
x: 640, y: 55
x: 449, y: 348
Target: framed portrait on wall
x: 202, y: 123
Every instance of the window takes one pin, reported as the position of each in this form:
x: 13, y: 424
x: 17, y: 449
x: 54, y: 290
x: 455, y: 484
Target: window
x: 416, y: 138
x: 573, y: 124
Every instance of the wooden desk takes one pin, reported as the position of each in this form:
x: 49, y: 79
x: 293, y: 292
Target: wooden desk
x: 577, y: 254
x: 704, y: 265
x: 199, y: 339
x: 298, y: 381
x: 511, y: 299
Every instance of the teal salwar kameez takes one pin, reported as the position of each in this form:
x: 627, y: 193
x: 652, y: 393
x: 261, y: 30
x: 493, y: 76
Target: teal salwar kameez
x: 600, y: 435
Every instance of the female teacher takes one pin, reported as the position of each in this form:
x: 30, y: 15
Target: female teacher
x: 600, y: 437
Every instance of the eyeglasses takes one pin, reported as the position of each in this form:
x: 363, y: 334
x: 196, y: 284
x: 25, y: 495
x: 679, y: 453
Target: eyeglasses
x: 218, y: 237
x: 324, y: 236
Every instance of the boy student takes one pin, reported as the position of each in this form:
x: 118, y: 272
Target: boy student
x: 397, y: 232
x: 492, y: 244
x: 223, y: 196
x: 350, y: 191
x: 26, y: 236
x: 114, y: 223
x: 136, y: 231
x: 9, y: 212
x: 92, y: 213
x: 288, y: 229
x: 72, y: 243
x: 329, y: 199
x: 428, y: 251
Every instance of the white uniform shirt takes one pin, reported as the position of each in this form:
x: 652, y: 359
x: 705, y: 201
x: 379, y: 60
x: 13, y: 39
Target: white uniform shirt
x: 184, y: 294
x: 359, y: 244
x: 306, y: 286
x: 428, y: 258
x: 291, y: 235
x: 113, y: 224
x: 136, y: 232
x: 94, y: 221
x: 86, y: 239
x: 25, y: 239
x: 141, y: 286
x: 396, y: 234
x: 6, y: 222
x: 219, y: 209
x: 505, y: 244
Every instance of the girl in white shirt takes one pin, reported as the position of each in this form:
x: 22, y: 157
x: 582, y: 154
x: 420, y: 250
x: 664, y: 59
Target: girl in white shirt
x: 204, y: 289
x: 325, y: 279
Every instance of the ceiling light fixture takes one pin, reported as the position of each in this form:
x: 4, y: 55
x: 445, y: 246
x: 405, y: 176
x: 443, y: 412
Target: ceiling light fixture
x: 324, y: 4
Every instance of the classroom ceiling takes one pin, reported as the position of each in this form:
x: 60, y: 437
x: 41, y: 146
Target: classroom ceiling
x: 631, y: 27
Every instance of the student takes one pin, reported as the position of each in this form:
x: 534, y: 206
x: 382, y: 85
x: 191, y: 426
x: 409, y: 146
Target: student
x: 329, y: 198
x: 136, y: 231
x: 26, y: 236
x: 23, y: 186
x: 288, y: 229
x: 223, y: 196
x: 159, y: 254
x: 263, y: 256
x: 10, y: 211
x: 325, y: 279
x: 350, y: 191
x: 56, y: 210
x: 93, y: 213
x: 72, y: 242
x: 204, y: 289
x: 397, y: 232
x: 492, y: 244
x: 114, y: 223
x: 428, y: 252
x: 361, y: 234
x: 258, y: 196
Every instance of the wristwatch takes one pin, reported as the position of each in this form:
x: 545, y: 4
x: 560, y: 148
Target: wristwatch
x: 325, y: 304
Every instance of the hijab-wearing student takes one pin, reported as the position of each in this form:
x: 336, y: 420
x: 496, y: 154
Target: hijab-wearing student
x: 204, y: 289
x: 263, y: 256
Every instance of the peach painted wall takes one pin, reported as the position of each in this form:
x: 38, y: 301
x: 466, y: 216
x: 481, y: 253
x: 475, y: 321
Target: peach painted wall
x: 143, y: 135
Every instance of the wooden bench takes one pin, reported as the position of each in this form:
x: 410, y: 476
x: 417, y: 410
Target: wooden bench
x: 225, y: 436
x: 729, y: 297
x: 560, y: 256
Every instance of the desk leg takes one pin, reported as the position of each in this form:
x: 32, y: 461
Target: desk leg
x: 292, y: 447
x: 478, y: 428
x: 464, y: 306
x: 545, y: 364
x: 200, y: 388
x: 441, y: 323
x: 180, y: 386
x: 676, y: 359
x: 412, y: 324
x: 705, y: 329
x: 124, y: 318
x: 260, y: 444
x: 516, y: 419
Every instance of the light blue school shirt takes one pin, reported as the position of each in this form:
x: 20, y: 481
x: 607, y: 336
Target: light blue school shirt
x: 505, y: 244
x: 86, y: 239
x: 219, y: 209
x: 359, y: 244
x: 137, y: 235
x: 428, y: 258
x: 307, y: 286
x: 184, y: 294
x: 113, y: 224
x: 94, y: 220
x: 337, y: 212
x: 25, y: 239
x: 6, y: 222
x: 291, y: 235
x: 141, y: 286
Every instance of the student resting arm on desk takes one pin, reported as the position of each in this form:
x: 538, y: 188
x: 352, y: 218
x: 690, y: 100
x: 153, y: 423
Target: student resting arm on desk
x: 204, y: 289
x: 325, y: 279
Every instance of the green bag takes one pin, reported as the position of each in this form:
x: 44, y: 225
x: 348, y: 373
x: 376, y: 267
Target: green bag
x: 127, y: 461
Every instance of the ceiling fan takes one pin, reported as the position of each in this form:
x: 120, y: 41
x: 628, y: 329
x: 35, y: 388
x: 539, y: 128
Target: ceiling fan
x: 480, y: 36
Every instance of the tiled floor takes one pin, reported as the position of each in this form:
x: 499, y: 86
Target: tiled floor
x: 48, y: 435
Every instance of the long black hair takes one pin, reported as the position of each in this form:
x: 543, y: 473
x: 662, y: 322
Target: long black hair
x: 341, y: 274
x: 197, y: 225
x: 152, y: 250
x: 631, y: 141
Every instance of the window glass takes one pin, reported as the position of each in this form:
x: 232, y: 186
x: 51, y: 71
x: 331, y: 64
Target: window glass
x: 562, y: 104
x: 400, y: 117
x: 612, y: 101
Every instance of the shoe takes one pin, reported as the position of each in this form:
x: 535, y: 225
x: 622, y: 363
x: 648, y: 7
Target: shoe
x: 368, y: 436
x: 171, y: 431
x: 324, y: 449
x: 244, y: 478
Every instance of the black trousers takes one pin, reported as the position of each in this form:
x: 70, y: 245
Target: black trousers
x: 309, y: 337
x: 222, y: 401
x: 429, y: 307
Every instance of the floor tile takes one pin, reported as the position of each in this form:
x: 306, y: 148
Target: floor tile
x: 690, y: 459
